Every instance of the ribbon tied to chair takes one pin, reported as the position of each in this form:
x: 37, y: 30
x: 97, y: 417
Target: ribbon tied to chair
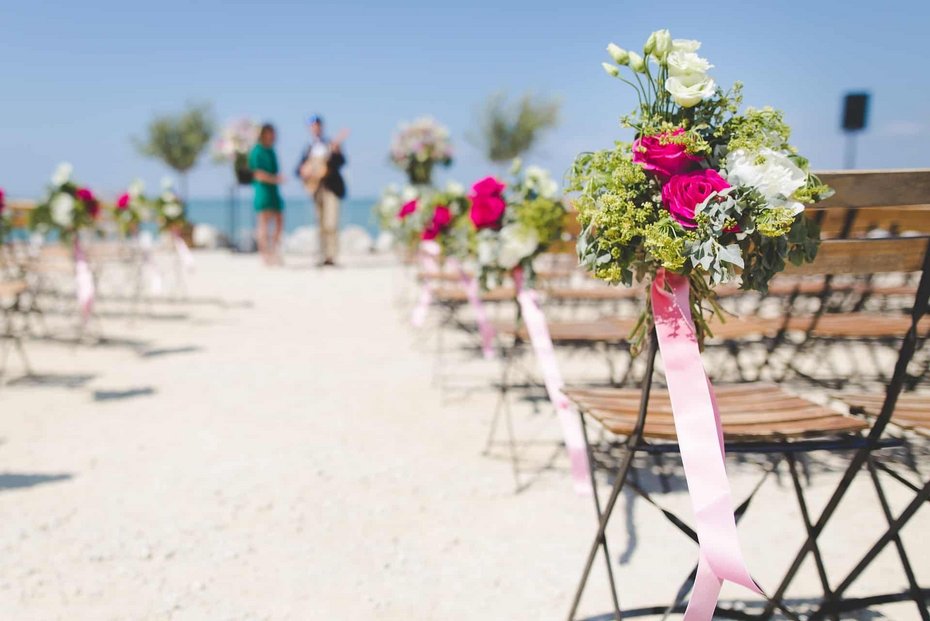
x: 572, y: 431
x: 700, y: 439
x: 83, y: 281
x: 428, y: 256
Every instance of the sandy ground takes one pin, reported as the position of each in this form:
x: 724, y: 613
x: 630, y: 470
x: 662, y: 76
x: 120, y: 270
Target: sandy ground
x: 293, y: 453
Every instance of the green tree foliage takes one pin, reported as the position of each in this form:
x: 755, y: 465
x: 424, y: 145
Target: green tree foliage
x: 510, y: 129
x: 179, y: 139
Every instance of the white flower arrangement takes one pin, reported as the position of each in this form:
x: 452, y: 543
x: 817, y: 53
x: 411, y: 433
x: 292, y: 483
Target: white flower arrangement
x: 418, y: 146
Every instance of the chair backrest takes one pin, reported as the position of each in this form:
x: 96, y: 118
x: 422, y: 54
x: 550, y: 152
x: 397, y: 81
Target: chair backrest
x: 895, y: 201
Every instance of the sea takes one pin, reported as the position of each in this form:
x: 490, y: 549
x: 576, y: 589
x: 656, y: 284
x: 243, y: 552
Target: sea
x: 235, y: 219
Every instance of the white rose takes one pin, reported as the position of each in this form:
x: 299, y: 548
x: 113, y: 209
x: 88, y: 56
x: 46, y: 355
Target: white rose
x: 517, y: 243
x: 62, y: 174
x: 772, y: 173
x: 682, y: 63
x: 690, y: 90
x: 62, y: 208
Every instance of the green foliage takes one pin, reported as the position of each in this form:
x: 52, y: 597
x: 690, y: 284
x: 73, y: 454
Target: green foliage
x: 178, y: 140
x: 508, y: 130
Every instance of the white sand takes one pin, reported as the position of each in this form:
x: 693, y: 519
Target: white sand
x: 293, y: 459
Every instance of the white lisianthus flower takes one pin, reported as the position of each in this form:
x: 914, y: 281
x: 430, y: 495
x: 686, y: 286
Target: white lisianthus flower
x: 62, y: 209
x: 637, y: 63
x: 167, y: 183
x: 539, y: 181
x: 772, y: 173
x: 690, y: 90
x: 62, y: 174
x: 172, y: 210
x: 620, y: 55
x: 136, y: 188
x: 390, y: 204
x: 517, y: 243
x: 409, y: 193
x: 487, y: 251
x: 610, y: 70
x: 659, y: 44
x: 454, y: 187
x: 685, y: 45
x: 687, y: 63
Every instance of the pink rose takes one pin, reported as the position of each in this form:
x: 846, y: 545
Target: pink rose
x: 487, y: 203
x: 84, y: 195
x: 683, y: 193
x: 441, y: 219
x: 407, y: 209
x: 123, y: 201
x: 663, y: 158
x: 2, y: 203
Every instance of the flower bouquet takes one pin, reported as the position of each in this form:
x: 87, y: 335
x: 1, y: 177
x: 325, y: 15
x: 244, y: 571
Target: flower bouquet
x: 705, y: 191
x: 169, y: 209
x: 705, y: 194
x: 233, y: 145
x: 516, y: 226
x: 131, y: 209
x: 398, y: 214
x: 68, y: 207
x: 418, y: 146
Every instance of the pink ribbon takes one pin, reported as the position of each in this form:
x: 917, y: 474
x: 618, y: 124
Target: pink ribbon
x: 83, y: 281
x: 485, y: 329
x: 184, y: 253
x: 541, y: 342
x: 428, y: 255
x: 700, y: 439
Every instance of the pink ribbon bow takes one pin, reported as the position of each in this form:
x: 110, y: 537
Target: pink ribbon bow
x: 427, y: 254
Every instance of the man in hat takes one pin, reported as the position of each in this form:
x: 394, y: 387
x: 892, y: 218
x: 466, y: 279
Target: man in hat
x: 319, y: 171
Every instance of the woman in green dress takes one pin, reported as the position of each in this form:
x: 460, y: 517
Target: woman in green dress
x: 268, y: 204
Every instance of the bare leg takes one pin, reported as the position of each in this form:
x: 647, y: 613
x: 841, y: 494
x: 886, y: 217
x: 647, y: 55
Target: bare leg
x: 277, y: 219
x: 261, y: 235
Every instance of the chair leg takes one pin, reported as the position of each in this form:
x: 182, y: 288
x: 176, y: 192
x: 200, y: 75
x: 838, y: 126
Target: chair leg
x: 603, y: 516
x: 815, y: 549
x: 916, y: 593
x: 893, y: 529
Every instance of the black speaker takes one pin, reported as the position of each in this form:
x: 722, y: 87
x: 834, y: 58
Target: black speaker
x: 855, y: 111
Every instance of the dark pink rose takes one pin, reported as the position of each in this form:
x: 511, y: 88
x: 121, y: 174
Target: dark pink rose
x: 683, y: 193
x: 487, y: 203
x: 2, y: 203
x: 85, y: 195
x: 441, y: 219
x: 407, y: 209
x: 663, y: 158
x: 123, y: 201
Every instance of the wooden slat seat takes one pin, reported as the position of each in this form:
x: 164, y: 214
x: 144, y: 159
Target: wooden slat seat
x: 460, y: 296
x: 750, y: 412
x: 857, y: 325
x: 594, y: 294
x: 912, y: 410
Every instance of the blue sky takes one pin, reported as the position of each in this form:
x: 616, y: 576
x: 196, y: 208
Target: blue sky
x: 80, y: 78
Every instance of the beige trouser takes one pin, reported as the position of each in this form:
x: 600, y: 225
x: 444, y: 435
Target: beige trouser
x: 327, y: 213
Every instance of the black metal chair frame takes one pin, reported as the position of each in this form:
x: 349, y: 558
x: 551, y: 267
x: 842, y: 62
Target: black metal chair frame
x: 862, y: 445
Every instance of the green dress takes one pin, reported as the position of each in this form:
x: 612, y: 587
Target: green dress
x: 267, y: 195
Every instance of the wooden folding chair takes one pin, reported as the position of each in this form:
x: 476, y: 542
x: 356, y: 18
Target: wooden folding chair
x: 767, y: 419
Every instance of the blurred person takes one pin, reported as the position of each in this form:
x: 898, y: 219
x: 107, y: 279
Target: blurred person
x: 268, y: 203
x: 319, y: 171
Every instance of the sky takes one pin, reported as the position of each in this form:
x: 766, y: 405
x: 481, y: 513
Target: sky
x: 80, y: 79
